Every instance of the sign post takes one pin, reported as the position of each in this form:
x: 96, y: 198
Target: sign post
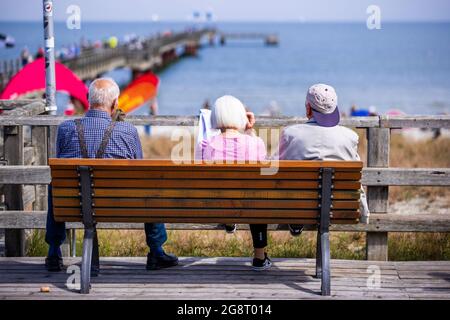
x: 49, y: 39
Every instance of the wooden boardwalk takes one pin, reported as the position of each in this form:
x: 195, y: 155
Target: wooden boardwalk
x: 228, y: 278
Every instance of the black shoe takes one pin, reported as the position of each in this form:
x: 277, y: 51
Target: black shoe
x: 259, y: 265
x: 54, y: 264
x: 295, y: 229
x: 230, y: 228
x: 159, y: 262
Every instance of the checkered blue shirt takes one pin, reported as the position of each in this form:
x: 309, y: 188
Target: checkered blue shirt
x: 124, y: 142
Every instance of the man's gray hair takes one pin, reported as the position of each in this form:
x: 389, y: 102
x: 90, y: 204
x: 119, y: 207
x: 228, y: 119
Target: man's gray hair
x: 103, y: 95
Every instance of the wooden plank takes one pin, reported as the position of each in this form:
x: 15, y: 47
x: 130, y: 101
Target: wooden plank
x: 378, y: 223
x: 206, y: 184
x: 370, y: 176
x: 38, y: 136
x: 13, y: 152
x: 377, y: 197
x: 441, y: 121
x: 415, y: 121
x: 205, y: 213
x: 406, y: 176
x: 225, y: 278
x: 13, y: 104
x: 165, y: 174
x: 26, y: 108
x: 205, y: 193
x: 28, y: 196
x: 218, y: 220
x: 28, y: 155
x: 39, y: 174
x: 61, y: 163
x: 204, y: 203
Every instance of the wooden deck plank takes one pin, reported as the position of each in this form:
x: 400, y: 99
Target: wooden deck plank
x: 227, y: 278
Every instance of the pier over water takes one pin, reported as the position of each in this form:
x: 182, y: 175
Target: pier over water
x: 153, y: 54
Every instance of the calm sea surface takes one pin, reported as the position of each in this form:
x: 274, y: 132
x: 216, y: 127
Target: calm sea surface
x: 403, y: 66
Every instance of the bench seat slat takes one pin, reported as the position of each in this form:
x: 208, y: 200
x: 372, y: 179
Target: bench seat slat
x: 204, y: 203
x: 130, y: 219
x: 201, y: 212
x: 206, y: 193
x: 207, y: 184
x: 164, y: 174
x: 169, y: 165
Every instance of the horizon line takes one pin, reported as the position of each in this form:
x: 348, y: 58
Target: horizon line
x: 232, y: 21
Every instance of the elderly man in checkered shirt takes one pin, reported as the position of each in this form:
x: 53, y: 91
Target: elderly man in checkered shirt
x: 117, y: 140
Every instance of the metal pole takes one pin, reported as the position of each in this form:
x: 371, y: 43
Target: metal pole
x: 50, y: 81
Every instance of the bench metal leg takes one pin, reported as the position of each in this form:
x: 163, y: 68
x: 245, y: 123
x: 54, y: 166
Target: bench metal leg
x: 86, y: 260
x: 90, y: 242
x: 323, y: 238
x: 325, y: 257
x: 95, y: 268
x: 318, y: 256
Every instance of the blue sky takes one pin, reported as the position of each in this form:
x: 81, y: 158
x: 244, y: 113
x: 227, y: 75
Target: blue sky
x: 237, y: 10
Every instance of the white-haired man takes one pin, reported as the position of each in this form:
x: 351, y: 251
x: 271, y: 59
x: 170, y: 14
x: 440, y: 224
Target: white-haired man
x: 96, y: 135
x: 321, y: 138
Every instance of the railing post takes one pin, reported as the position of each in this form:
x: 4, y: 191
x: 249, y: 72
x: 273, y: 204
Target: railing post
x: 39, y: 143
x: 377, y: 156
x: 13, y: 154
x: 51, y: 150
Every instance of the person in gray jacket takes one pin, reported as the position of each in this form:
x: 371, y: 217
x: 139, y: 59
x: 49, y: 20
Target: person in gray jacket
x: 321, y: 138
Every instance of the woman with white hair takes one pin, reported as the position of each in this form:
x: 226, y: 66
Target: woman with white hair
x: 236, y: 142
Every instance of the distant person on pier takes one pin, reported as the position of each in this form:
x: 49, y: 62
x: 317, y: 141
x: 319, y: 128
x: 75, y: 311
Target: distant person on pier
x: 153, y: 111
x: 25, y: 56
x: 40, y: 53
x: 236, y: 141
x: 321, y: 138
x: 97, y: 135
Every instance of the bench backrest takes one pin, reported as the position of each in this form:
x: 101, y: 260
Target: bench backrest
x: 161, y: 191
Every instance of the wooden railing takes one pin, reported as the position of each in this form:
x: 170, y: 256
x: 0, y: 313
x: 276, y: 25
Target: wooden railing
x: 25, y: 174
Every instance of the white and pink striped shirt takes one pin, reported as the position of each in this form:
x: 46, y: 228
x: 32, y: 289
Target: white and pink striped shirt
x: 232, y: 147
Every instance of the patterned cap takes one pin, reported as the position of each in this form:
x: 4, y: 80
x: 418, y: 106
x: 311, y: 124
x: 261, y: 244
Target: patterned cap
x: 323, y: 100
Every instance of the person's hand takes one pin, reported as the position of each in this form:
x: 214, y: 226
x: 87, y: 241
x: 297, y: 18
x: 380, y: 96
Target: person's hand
x: 251, y: 120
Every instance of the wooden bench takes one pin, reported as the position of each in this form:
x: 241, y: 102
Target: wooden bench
x: 301, y: 192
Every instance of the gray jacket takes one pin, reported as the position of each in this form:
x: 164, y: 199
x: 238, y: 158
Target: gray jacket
x: 310, y: 141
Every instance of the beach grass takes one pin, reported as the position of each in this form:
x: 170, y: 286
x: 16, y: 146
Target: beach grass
x: 405, y: 152
x: 217, y: 243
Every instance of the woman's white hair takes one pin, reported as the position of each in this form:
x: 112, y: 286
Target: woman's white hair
x: 229, y: 113
x: 101, y: 94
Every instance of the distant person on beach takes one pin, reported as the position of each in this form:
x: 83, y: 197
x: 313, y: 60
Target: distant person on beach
x: 237, y: 142
x: 321, y: 138
x: 87, y: 138
x: 369, y: 112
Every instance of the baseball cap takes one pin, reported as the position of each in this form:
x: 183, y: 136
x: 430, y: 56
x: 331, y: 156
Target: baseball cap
x: 323, y: 101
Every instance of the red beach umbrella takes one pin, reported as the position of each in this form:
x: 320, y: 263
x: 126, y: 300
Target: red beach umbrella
x: 32, y: 78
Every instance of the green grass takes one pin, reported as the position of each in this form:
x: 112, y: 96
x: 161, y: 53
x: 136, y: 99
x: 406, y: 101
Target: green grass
x: 344, y: 245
